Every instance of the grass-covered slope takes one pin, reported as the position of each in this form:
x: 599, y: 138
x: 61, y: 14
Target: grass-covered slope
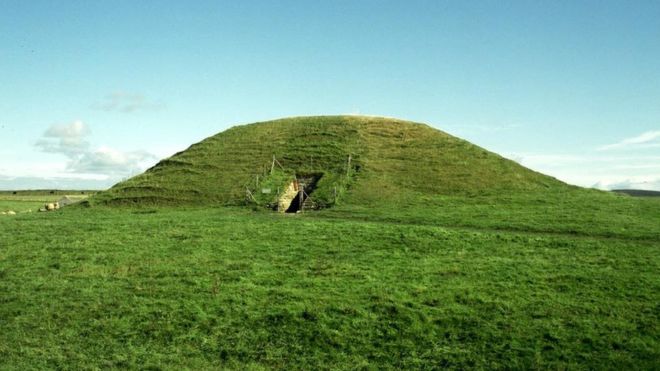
x: 389, y: 158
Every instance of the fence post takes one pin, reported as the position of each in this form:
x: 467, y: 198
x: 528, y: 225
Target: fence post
x: 272, y: 166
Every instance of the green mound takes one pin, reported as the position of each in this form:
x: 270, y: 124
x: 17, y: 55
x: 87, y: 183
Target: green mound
x: 353, y: 159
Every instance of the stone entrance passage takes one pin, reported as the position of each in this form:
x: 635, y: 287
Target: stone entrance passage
x: 295, y: 197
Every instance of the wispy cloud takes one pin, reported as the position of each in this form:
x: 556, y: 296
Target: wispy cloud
x: 59, y: 182
x: 110, y: 161
x: 126, y: 102
x: 645, y: 183
x: 615, y: 171
x: 549, y: 159
x: 648, y: 139
x: 69, y: 140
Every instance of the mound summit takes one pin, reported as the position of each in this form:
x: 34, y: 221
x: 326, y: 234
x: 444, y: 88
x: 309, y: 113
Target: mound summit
x: 352, y: 159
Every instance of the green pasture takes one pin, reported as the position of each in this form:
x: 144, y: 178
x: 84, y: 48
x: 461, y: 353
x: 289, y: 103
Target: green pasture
x: 31, y: 202
x: 22, y: 204
x: 506, y: 282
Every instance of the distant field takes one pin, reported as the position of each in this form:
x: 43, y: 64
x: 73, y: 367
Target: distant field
x: 638, y: 192
x: 41, y: 192
x: 21, y: 204
x: 31, y: 201
x: 499, y: 282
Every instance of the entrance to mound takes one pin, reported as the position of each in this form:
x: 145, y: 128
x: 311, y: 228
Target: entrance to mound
x: 296, y: 196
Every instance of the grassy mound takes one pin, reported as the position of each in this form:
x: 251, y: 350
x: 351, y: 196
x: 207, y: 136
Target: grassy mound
x: 389, y: 158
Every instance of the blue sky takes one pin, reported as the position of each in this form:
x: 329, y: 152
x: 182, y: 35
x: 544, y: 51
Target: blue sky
x: 94, y: 91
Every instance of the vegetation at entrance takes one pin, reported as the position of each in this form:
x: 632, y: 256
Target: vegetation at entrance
x: 435, y: 255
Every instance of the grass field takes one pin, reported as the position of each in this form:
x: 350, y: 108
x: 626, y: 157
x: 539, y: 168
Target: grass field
x: 29, y: 201
x: 22, y: 204
x: 492, y: 282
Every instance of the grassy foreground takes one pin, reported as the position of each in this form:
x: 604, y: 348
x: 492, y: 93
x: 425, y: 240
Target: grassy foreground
x: 442, y: 287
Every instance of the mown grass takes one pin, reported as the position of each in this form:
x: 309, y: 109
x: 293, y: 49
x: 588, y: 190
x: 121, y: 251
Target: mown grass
x: 445, y: 286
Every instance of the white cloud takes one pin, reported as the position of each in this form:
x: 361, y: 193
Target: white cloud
x: 69, y: 140
x: 76, y: 129
x: 58, y: 182
x: 531, y: 159
x: 649, y: 139
x: 603, y: 172
x: 126, y: 102
x: 643, y: 183
x: 107, y: 160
